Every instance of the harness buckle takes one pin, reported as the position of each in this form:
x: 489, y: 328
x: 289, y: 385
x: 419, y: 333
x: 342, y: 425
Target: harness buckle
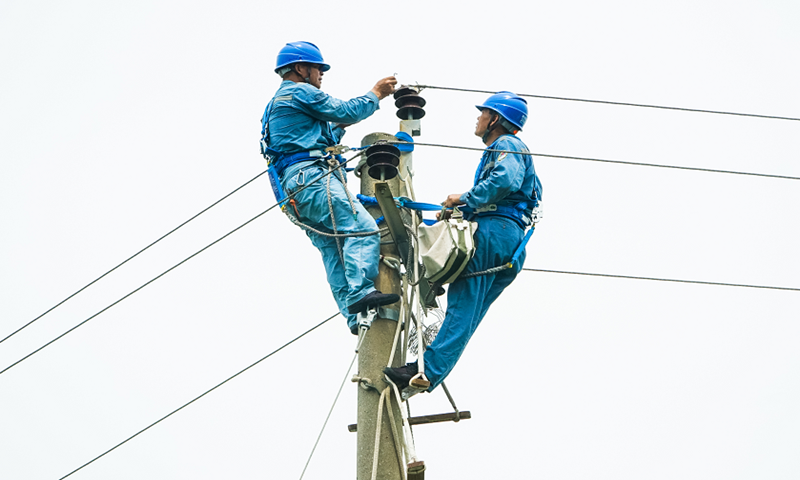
x: 486, y: 208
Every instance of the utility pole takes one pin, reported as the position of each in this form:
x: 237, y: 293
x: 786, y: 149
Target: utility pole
x: 376, y: 347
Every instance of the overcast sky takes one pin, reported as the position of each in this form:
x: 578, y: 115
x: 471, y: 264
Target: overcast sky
x: 120, y: 120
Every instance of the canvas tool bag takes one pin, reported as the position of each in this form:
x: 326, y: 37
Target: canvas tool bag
x: 446, y: 247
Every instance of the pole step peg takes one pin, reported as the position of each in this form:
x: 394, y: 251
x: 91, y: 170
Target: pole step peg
x: 416, y: 470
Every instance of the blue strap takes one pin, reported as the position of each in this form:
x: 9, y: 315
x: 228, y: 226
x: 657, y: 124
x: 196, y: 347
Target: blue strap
x: 521, y: 248
x: 404, y: 137
x: 403, y: 202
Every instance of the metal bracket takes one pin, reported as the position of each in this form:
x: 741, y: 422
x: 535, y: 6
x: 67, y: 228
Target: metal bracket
x: 427, y: 419
x: 383, y: 194
x: 366, y: 318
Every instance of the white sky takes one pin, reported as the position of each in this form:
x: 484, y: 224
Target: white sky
x: 121, y: 120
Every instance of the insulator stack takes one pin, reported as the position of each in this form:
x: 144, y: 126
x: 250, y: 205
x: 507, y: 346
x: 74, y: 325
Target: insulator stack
x: 382, y: 161
x: 409, y: 104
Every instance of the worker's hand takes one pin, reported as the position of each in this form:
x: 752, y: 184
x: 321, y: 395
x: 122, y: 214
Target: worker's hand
x: 444, y: 216
x: 384, y: 87
x: 453, y: 200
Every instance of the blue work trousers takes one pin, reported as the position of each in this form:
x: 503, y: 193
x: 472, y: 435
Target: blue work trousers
x: 352, y: 280
x: 468, y: 299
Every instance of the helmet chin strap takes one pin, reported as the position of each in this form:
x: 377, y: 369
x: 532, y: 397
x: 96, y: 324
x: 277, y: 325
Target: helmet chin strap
x: 297, y: 71
x: 489, y: 128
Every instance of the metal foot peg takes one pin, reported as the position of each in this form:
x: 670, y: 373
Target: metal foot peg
x: 365, y: 320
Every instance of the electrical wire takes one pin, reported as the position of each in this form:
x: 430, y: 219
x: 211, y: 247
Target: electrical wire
x: 606, y: 102
x: 589, y: 159
x: 288, y: 197
x: 131, y: 257
x: 201, y: 395
x: 699, y: 282
x: 325, y: 423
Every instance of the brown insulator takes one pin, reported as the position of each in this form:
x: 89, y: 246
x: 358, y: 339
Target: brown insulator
x: 409, y: 104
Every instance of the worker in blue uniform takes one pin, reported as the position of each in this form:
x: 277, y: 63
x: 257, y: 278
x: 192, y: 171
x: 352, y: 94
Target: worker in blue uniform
x: 299, y: 123
x: 501, y: 201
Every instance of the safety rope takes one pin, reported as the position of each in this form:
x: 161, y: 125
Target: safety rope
x: 546, y: 97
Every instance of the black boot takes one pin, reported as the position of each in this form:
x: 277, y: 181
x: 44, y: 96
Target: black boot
x: 402, y: 375
x: 373, y: 299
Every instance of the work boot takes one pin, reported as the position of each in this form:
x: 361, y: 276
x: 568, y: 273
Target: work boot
x: 402, y: 375
x: 373, y: 299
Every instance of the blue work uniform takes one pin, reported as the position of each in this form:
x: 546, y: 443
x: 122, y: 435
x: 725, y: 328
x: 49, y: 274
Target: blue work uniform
x: 301, y: 118
x: 509, y: 181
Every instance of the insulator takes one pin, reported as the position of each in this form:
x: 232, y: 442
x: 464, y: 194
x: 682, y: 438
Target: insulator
x: 409, y: 104
x: 382, y: 161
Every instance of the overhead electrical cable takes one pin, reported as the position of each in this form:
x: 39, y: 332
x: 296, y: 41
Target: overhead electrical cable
x: 325, y: 423
x: 288, y: 197
x: 202, y: 395
x: 606, y: 102
x: 699, y: 282
x: 589, y: 159
x: 131, y: 257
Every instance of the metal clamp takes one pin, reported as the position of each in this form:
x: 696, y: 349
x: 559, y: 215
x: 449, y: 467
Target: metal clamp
x: 366, y: 318
x: 337, y: 149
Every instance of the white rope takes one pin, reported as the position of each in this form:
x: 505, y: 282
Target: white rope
x: 396, y: 436
x: 411, y: 452
x: 378, y: 435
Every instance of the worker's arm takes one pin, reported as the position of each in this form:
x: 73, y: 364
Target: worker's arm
x: 322, y: 106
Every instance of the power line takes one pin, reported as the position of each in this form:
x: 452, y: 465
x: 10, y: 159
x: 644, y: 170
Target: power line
x: 546, y: 97
x: 288, y: 197
x: 325, y: 423
x: 131, y: 258
x: 201, y: 395
x: 589, y: 159
x: 664, y: 279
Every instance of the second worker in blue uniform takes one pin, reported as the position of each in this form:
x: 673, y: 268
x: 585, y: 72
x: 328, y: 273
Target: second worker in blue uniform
x: 501, y: 201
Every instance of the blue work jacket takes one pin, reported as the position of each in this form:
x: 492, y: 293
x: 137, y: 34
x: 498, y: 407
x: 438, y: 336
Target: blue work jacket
x: 505, y: 179
x: 301, y: 117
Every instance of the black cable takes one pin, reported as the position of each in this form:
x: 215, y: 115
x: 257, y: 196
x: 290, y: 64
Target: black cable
x: 615, y: 103
x: 664, y: 279
x: 201, y: 395
x: 131, y: 257
x: 288, y: 197
x: 588, y: 159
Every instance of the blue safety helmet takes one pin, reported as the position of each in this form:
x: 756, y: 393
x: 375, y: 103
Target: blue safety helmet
x: 510, y: 106
x: 297, y: 52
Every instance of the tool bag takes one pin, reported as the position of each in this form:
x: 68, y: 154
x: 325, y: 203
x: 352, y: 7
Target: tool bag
x: 446, y: 247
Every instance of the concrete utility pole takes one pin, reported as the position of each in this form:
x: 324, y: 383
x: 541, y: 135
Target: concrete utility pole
x: 377, y: 345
